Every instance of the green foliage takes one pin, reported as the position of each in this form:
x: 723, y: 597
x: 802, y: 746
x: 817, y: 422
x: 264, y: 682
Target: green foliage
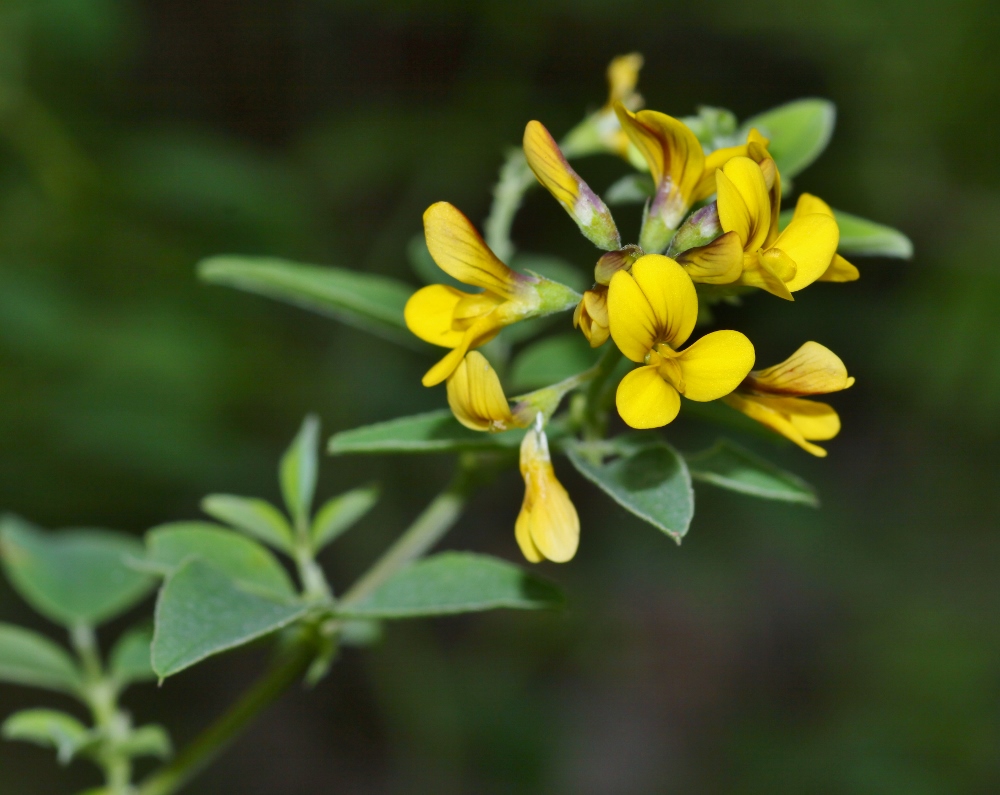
x: 297, y: 472
x: 253, y: 516
x: 433, y: 432
x: 551, y: 359
x: 201, y: 612
x: 27, y: 658
x: 130, y: 660
x: 630, y: 189
x: 730, y: 466
x: 49, y: 728
x: 799, y: 132
x: 364, y: 300
x: 152, y: 740
x: 647, y: 477
x: 340, y: 513
x: 860, y: 237
x: 454, y: 582
x: 239, y: 558
x: 72, y: 576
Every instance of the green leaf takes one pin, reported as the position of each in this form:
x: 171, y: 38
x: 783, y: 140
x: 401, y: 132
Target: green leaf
x: 433, y: 432
x: 130, y: 659
x: 799, y: 132
x: 298, y: 469
x: 550, y: 360
x: 340, y: 512
x: 239, y: 558
x: 730, y: 466
x: 253, y: 516
x: 50, y: 729
x: 554, y: 268
x: 454, y: 582
x: 72, y: 576
x: 27, y: 658
x: 201, y: 612
x: 862, y: 238
x: 363, y: 300
x: 151, y: 740
x: 630, y: 189
x: 647, y: 477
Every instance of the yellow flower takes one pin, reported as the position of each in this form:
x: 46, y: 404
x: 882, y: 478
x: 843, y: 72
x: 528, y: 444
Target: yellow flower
x: 591, y: 316
x: 652, y: 311
x: 682, y: 173
x: 476, y: 397
x: 548, y: 526
x: 451, y: 318
x: 554, y: 172
x: 839, y: 269
x: 773, y: 396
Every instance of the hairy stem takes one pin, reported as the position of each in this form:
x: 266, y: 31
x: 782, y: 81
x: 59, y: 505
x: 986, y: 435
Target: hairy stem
x: 424, y: 533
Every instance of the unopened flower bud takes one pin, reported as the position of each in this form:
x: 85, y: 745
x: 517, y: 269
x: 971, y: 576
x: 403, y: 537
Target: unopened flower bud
x: 699, y: 229
x: 612, y: 262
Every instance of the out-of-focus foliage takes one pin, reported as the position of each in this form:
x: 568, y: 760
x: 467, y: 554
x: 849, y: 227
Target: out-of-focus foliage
x: 842, y: 651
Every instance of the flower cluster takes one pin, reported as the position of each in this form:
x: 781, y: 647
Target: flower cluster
x: 712, y: 230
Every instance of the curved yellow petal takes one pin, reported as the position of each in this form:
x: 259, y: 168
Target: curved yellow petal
x: 713, y: 162
x: 751, y: 219
x: 812, y: 370
x: 429, y: 313
x: 719, y: 262
x: 840, y: 270
x: 479, y: 333
x: 630, y: 317
x: 645, y: 400
x: 811, y: 241
x: 671, y: 296
x: 476, y: 397
x: 668, y: 146
x: 715, y: 365
x: 460, y: 251
x: 808, y: 204
x: 623, y: 76
x: 766, y: 272
x: 773, y: 419
x: 548, y: 517
x: 812, y: 419
x: 591, y: 316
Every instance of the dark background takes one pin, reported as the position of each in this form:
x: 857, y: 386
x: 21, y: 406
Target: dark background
x: 852, y: 649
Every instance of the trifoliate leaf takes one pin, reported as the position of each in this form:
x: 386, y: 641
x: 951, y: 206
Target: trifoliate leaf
x: 253, y: 516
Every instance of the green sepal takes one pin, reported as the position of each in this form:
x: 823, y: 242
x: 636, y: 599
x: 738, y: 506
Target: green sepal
x: 730, y: 466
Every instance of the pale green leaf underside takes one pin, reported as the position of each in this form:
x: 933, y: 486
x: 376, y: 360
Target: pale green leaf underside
x: 799, y: 131
x: 730, y: 466
x: 201, y: 612
x: 433, y: 432
x: 648, y: 478
x: 48, y: 728
x: 27, y: 658
x: 253, y: 516
x: 367, y: 301
x: 72, y: 576
x: 454, y: 582
x: 239, y: 558
x: 860, y: 237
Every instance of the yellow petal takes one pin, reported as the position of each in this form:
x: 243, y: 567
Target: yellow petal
x: 479, y: 333
x: 840, y: 270
x: 630, y: 317
x: 715, y: 365
x: 591, y: 316
x: 773, y: 419
x: 720, y: 262
x: 476, y: 397
x: 713, y: 162
x: 812, y: 419
x: 668, y: 146
x: 623, y: 75
x: 776, y: 261
x: 429, y: 314
x: 548, y: 517
x: 645, y: 400
x: 671, y: 296
x: 808, y: 204
x: 811, y: 241
x: 751, y: 218
x: 812, y: 370
x: 765, y: 272
x: 461, y: 252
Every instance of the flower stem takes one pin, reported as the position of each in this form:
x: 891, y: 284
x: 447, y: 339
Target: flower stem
x: 428, y: 528
x: 515, y: 179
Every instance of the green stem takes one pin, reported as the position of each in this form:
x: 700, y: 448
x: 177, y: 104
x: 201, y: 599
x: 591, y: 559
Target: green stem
x: 423, y: 534
x: 515, y: 179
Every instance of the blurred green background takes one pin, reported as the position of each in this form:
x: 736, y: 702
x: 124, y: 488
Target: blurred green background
x: 852, y: 649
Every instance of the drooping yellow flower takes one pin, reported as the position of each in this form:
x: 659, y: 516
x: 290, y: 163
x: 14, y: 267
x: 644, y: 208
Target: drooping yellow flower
x: 652, y: 311
x: 779, y: 262
x: 557, y: 176
x: 476, y: 397
x: 442, y: 315
x: 839, y: 269
x: 548, y: 526
x: 774, y: 396
x: 682, y: 173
